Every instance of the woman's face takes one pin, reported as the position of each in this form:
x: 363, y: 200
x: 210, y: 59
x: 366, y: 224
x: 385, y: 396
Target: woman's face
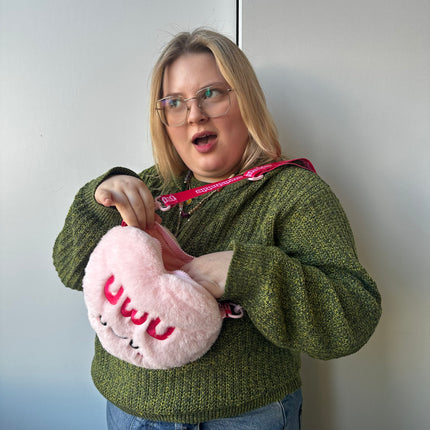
x: 211, y: 147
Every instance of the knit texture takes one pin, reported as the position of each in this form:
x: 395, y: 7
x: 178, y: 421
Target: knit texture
x: 295, y: 272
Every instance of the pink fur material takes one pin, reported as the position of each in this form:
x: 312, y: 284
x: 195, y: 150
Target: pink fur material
x: 143, y: 307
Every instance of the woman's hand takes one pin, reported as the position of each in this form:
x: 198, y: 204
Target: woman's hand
x: 132, y: 199
x: 210, y: 271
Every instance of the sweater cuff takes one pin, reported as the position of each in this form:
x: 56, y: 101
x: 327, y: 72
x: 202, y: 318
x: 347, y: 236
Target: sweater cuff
x: 242, y: 283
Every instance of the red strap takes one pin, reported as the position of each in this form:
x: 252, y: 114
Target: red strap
x: 254, y: 174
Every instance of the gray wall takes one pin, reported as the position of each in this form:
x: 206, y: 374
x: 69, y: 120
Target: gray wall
x: 74, y: 79
x: 348, y: 83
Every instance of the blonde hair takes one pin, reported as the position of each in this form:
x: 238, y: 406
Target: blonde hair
x: 263, y: 144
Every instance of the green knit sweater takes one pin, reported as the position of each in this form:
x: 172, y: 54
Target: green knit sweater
x: 294, y: 270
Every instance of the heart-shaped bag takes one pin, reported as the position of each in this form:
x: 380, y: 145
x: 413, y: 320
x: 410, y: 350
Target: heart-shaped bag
x: 144, y: 309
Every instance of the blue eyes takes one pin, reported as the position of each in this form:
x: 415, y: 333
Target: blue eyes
x: 213, y: 102
x: 177, y: 103
x: 210, y: 92
x: 173, y: 103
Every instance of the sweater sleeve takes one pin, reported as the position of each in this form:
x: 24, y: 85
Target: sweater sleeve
x: 309, y: 293
x: 87, y: 221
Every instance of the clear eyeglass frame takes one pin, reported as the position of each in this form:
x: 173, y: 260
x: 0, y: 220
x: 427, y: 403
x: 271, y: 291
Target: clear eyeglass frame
x: 204, y: 104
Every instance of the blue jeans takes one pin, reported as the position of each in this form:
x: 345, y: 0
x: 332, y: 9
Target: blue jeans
x: 282, y: 415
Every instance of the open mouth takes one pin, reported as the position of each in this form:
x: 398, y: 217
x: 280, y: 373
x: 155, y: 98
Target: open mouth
x: 204, y: 139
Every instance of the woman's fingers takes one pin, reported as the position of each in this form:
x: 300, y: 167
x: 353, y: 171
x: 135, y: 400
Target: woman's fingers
x: 103, y: 197
x: 148, y: 210
x: 132, y: 199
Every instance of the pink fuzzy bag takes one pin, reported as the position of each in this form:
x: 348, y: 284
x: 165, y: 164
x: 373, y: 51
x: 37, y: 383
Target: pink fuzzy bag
x: 144, y: 309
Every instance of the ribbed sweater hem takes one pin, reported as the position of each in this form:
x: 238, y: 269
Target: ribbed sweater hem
x: 274, y: 395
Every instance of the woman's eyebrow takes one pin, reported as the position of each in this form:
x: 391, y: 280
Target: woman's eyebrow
x: 171, y: 95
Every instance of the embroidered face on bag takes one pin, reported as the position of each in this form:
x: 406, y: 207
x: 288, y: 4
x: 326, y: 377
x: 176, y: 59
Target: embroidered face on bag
x: 144, y: 309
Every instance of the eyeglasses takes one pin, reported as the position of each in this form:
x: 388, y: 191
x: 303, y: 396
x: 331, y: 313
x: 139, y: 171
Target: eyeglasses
x: 213, y: 101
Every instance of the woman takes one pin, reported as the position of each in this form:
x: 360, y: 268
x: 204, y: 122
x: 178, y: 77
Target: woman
x: 281, y: 247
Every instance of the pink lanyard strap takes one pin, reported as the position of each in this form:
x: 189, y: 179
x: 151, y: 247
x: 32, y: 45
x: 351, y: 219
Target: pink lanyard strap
x: 254, y: 174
